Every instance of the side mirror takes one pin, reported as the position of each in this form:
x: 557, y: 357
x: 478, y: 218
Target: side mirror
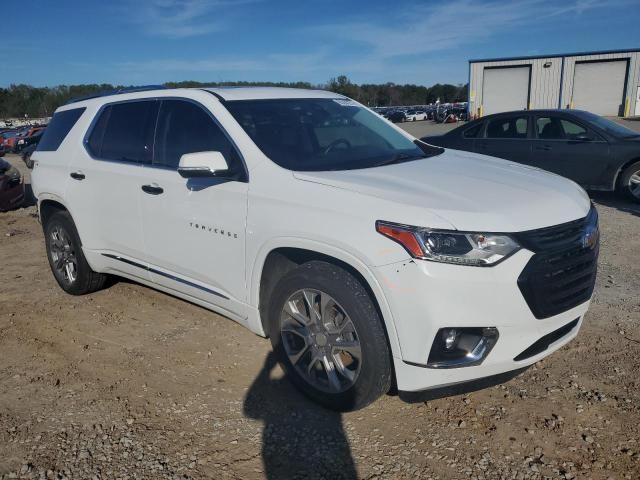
x: 202, y: 164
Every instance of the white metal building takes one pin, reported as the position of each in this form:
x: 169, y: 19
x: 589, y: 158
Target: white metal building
x: 606, y: 83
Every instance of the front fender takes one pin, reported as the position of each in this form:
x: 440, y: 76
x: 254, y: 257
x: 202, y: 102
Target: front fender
x: 332, y: 251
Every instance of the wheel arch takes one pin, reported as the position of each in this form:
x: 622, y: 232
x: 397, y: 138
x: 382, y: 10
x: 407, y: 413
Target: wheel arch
x: 620, y: 171
x: 276, y: 259
x: 48, y: 205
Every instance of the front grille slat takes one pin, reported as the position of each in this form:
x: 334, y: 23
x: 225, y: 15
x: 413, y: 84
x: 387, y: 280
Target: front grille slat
x: 579, y: 278
x: 561, y: 275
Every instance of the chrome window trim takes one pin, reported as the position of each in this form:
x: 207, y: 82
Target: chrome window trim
x: 85, y: 140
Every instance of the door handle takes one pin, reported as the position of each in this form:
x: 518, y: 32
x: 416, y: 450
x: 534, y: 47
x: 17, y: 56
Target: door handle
x: 152, y: 189
x: 77, y: 175
x: 546, y: 148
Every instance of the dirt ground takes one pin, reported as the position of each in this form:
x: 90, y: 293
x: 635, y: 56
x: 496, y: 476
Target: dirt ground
x: 132, y: 383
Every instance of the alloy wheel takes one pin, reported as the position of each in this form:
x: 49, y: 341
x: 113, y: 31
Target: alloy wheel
x: 321, y: 340
x: 63, y: 254
x: 634, y: 184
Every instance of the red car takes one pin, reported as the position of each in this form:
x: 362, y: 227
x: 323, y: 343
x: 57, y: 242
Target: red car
x: 11, y: 187
x: 9, y: 139
x: 20, y: 140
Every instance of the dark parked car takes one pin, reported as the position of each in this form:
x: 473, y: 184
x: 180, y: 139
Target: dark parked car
x: 593, y: 151
x: 28, y: 146
x: 397, y: 116
x: 26, y: 154
x: 27, y: 138
x: 11, y: 187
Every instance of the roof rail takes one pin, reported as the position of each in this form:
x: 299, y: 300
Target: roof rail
x: 106, y: 93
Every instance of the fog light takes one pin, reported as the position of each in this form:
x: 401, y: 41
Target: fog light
x: 461, y: 347
x: 450, y: 336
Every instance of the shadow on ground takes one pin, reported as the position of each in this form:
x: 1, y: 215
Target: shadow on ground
x: 460, y: 388
x: 614, y: 200
x: 300, y: 440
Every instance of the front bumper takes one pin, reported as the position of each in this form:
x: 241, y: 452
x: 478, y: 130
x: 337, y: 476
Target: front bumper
x: 427, y: 296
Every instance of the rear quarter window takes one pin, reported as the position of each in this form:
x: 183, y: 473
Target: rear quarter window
x: 58, y: 129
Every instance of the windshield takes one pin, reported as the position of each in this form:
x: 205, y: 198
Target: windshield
x: 324, y: 134
x: 607, y: 125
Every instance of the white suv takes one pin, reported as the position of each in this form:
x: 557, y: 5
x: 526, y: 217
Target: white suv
x: 368, y: 257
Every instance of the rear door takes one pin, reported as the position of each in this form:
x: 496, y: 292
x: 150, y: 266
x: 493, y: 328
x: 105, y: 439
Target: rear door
x: 104, y: 183
x: 566, y: 146
x: 506, y: 136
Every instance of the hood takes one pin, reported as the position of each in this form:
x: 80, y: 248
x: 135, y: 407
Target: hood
x: 471, y: 191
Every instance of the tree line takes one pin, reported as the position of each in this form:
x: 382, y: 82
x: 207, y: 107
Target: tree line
x: 34, y: 102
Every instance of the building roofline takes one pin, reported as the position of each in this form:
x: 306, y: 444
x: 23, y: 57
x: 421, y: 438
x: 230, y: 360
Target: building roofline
x: 555, y: 55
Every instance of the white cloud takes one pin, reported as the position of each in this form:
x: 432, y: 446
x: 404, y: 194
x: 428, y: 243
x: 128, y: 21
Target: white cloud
x: 427, y: 28
x: 410, y: 45
x: 183, y: 18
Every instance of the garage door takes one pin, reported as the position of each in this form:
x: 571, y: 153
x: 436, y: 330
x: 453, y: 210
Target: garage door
x: 505, y: 89
x: 598, y: 87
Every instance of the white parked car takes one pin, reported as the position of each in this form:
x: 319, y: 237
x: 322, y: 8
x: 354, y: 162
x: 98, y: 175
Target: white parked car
x: 415, y: 115
x: 367, y: 256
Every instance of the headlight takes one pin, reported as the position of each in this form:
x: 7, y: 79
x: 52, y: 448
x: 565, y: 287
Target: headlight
x: 461, y: 248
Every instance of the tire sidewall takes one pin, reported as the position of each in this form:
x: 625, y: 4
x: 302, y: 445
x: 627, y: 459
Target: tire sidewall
x: 375, y: 371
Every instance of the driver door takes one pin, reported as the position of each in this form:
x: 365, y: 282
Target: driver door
x: 570, y: 149
x: 194, y: 229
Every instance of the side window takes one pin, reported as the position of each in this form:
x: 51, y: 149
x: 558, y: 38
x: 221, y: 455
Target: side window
x: 549, y: 128
x: 508, y: 127
x: 474, y: 131
x: 554, y: 128
x: 124, y: 132
x: 184, y: 127
x: 572, y: 130
x: 58, y: 129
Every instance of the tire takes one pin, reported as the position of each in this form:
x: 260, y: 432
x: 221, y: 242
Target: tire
x: 66, y: 259
x: 628, y: 178
x: 350, y: 326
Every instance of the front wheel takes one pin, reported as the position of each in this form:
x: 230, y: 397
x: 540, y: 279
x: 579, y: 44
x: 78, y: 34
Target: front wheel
x: 629, y: 183
x: 67, y: 261
x: 329, y: 338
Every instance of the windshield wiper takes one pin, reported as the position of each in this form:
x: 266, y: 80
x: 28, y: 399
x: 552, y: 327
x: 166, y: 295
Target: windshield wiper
x: 399, y: 158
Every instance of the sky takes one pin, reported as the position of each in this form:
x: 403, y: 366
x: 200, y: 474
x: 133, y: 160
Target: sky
x: 140, y: 42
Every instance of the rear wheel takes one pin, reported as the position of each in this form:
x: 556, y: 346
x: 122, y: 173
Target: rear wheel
x: 67, y: 261
x: 329, y: 337
x: 629, y: 183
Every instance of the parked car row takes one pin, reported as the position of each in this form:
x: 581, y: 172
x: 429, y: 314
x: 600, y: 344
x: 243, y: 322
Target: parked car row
x: 441, y: 113
x: 593, y: 151
x: 16, y: 139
